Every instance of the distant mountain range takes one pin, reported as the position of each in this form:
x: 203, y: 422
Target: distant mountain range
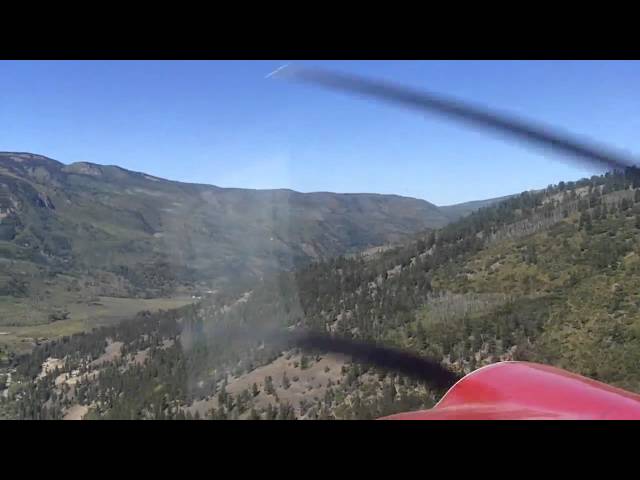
x: 459, y: 210
x: 145, y: 233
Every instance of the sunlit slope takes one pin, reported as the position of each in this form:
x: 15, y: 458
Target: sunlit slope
x: 153, y: 233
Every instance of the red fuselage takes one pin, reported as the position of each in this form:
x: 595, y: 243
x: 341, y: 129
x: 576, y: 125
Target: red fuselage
x: 528, y: 391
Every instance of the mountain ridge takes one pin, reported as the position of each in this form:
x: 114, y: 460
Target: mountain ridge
x: 130, y: 234
x: 75, y: 165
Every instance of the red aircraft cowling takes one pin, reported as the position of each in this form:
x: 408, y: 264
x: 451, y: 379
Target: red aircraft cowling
x: 529, y: 391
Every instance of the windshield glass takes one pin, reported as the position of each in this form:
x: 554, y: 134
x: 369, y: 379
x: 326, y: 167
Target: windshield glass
x: 310, y: 239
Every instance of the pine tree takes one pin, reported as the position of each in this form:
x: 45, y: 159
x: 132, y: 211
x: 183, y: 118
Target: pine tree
x: 268, y: 385
x: 588, y: 225
x: 253, y: 415
x: 271, y: 412
x: 392, y: 391
x: 304, y: 362
x: 585, y: 221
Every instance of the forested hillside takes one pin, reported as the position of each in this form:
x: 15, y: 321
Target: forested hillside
x: 550, y: 276
x: 152, y: 234
x: 80, y: 242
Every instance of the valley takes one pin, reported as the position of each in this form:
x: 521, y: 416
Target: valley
x: 548, y: 276
x: 85, y: 245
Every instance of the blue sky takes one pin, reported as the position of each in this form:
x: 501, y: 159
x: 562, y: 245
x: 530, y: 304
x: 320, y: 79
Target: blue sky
x: 223, y: 123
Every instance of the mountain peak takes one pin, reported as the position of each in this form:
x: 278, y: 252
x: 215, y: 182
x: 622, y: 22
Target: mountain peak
x: 24, y: 157
x: 84, y: 168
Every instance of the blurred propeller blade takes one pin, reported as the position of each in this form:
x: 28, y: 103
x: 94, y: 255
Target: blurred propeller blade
x: 580, y: 151
x: 426, y: 370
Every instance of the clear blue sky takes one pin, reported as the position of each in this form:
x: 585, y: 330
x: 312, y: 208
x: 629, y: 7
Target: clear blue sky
x: 221, y: 122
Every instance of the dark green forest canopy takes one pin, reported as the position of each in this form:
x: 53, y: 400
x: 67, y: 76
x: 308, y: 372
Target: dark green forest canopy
x: 548, y: 276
